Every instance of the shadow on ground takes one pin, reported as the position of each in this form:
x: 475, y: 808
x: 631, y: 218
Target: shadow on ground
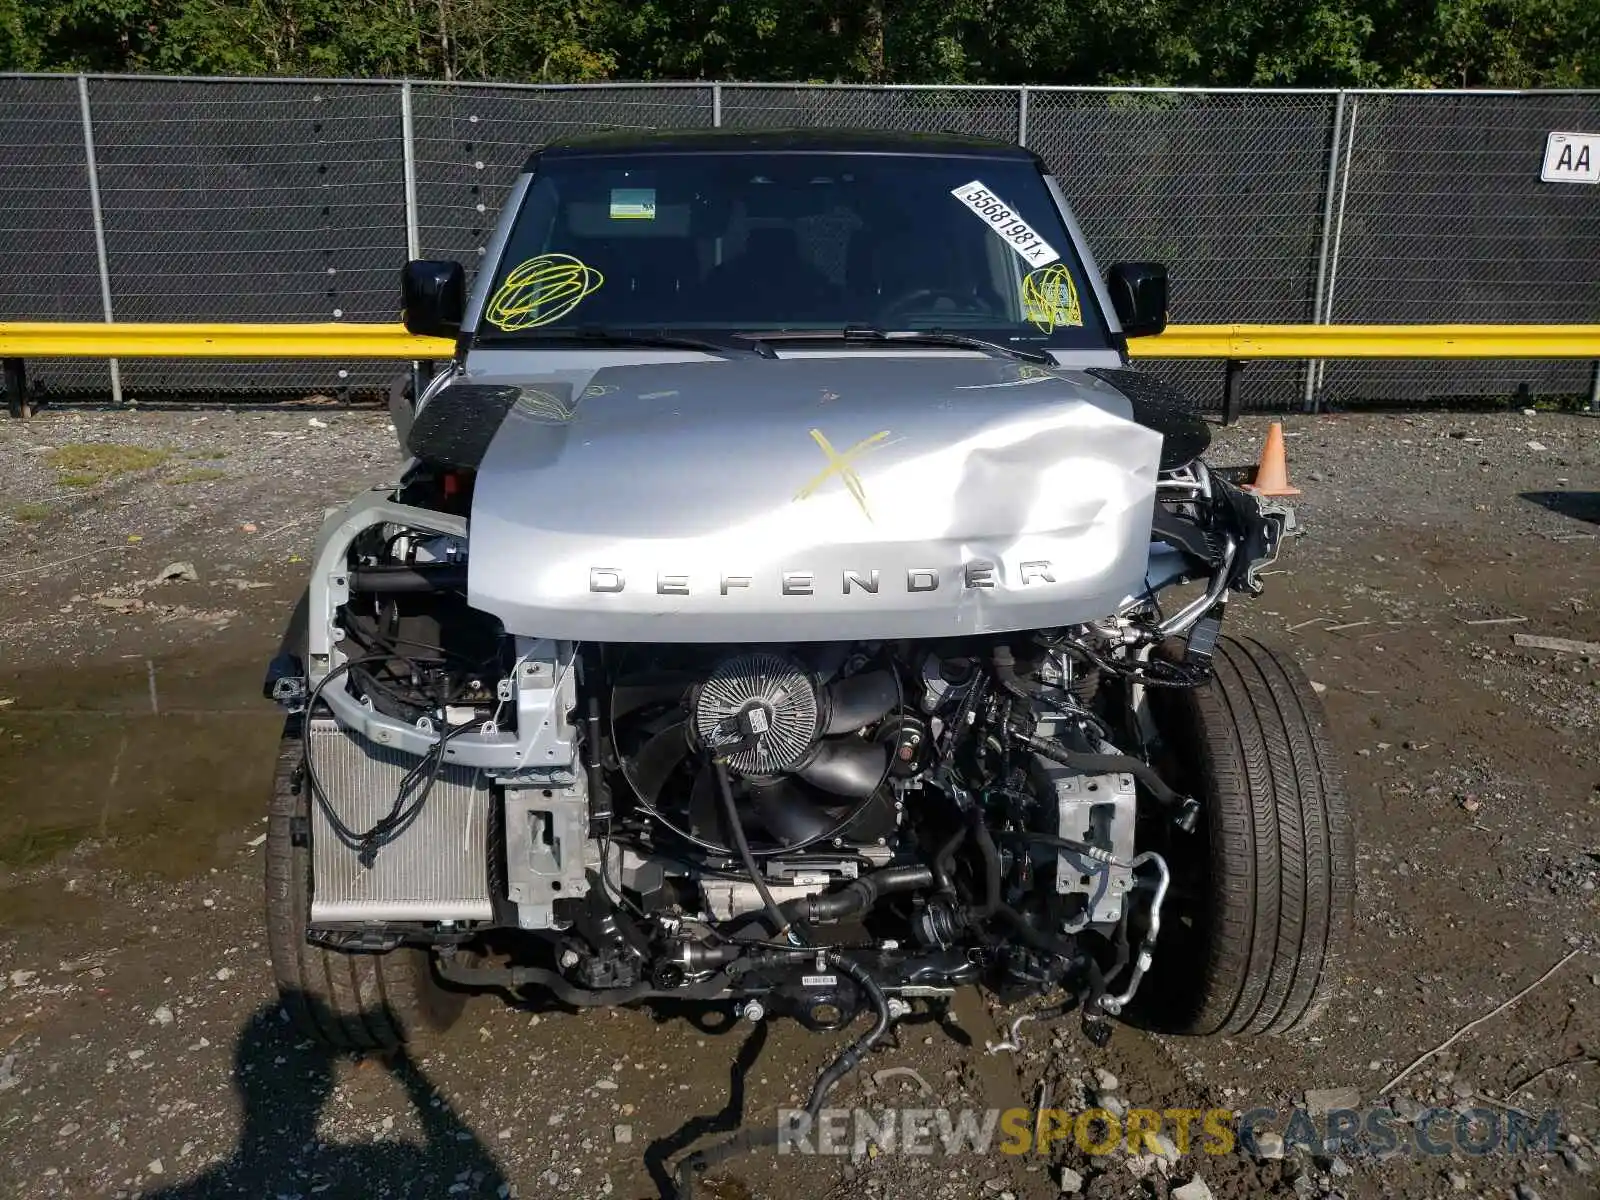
x: 1580, y: 506
x: 283, y: 1080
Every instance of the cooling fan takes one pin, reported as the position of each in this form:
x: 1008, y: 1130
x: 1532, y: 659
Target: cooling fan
x: 793, y: 743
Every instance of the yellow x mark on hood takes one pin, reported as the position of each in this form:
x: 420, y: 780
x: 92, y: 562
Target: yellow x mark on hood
x: 840, y: 465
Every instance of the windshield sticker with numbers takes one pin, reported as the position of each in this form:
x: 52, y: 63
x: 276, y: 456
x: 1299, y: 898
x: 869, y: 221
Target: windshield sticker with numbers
x: 1003, y: 219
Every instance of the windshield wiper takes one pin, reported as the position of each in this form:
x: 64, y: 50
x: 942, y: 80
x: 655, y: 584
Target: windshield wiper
x: 597, y: 335
x: 910, y: 337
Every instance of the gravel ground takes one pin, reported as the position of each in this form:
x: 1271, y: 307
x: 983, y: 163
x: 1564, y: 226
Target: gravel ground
x: 142, y: 1053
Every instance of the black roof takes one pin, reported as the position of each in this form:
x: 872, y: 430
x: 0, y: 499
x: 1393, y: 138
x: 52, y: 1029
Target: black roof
x: 776, y: 141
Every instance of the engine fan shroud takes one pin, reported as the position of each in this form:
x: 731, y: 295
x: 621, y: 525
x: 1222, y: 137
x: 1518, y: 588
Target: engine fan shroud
x: 797, y: 741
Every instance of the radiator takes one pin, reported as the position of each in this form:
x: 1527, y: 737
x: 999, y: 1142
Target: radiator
x: 437, y: 870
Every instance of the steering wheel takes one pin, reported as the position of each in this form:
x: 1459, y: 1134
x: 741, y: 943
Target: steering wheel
x: 923, y: 299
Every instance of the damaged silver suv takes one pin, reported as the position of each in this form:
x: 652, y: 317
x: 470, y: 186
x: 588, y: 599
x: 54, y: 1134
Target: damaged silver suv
x: 792, y: 600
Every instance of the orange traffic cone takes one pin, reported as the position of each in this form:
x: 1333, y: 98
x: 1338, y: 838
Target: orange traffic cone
x: 1272, y: 472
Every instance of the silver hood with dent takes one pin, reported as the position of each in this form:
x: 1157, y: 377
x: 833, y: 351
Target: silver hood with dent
x: 861, y: 496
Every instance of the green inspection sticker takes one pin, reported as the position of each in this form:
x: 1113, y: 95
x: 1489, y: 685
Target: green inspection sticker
x: 633, y: 204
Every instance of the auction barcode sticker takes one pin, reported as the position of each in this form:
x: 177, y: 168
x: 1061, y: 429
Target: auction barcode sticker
x: 1003, y: 219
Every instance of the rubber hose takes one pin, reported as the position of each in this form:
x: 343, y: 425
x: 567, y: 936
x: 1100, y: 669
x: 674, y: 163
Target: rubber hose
x: 853, y: 1054
x: 1004, y: 664
x: 742, y: 845
x: 1045, y: 942
x: 945, y: 860
x: 751, y: 1139
x: 446, y: 577
x: 1102, y: 764
x: 992, y: 870
x: 859, y: 896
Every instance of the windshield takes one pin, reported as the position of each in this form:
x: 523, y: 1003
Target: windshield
x: 750, y: 242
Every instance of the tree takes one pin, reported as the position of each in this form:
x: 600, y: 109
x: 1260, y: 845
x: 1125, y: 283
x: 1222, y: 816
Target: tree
x: 1516, y: 43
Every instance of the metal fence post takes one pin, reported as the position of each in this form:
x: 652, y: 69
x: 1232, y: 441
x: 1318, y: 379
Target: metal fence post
x: 716, y: 106
x: 1022, y: 116
x: 1314, y: 365
x: 409, y: 151
x: 1326, y: 316
x: 93, y: 170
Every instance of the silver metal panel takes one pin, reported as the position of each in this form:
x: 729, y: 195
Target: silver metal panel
x: 543, y: 683
x: 548, y: 850
x: 813, y: 499
x: 1099, y: 810
x: 437, y: 870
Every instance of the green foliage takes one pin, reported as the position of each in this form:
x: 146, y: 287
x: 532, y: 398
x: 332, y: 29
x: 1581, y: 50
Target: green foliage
x: 1444, y: 43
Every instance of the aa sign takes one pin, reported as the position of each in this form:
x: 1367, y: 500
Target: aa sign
x: 1571, y: 158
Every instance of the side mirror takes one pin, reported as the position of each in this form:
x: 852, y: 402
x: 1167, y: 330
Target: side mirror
x: 1139, y: 294
x: 433, y: 297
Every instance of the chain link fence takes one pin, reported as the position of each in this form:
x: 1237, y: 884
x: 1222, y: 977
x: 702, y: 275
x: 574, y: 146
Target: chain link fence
x: 1225, y: 188
x: 1440, y: 216
x: 49, y: 267
x: 162, y: 199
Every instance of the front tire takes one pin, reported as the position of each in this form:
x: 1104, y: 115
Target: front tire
x: 1274, y: 866
x: 350, y: 1001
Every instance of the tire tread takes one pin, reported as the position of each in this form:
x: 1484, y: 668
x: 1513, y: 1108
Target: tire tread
x: 1282, y: 858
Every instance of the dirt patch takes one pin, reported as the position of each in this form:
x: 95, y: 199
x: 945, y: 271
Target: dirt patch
x: 73, y: 547
x: 195, y: 475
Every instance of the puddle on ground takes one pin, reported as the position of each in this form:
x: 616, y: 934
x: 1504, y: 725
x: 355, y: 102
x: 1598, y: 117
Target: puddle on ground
x: 157, y: 765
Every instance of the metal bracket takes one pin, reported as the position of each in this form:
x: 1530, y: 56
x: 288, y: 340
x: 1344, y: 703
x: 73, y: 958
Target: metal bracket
x: 547, y: 850
x: 1233, y: 369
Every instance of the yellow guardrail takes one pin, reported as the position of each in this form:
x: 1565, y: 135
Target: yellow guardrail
x: 23, y: 340
x: 335, y: 339
x: 1244, y: 342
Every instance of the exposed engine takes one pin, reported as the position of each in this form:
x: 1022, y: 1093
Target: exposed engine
x: 959, y: 806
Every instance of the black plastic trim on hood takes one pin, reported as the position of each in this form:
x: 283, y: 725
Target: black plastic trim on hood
x: 454, y: 428
x: 1157, y: 405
